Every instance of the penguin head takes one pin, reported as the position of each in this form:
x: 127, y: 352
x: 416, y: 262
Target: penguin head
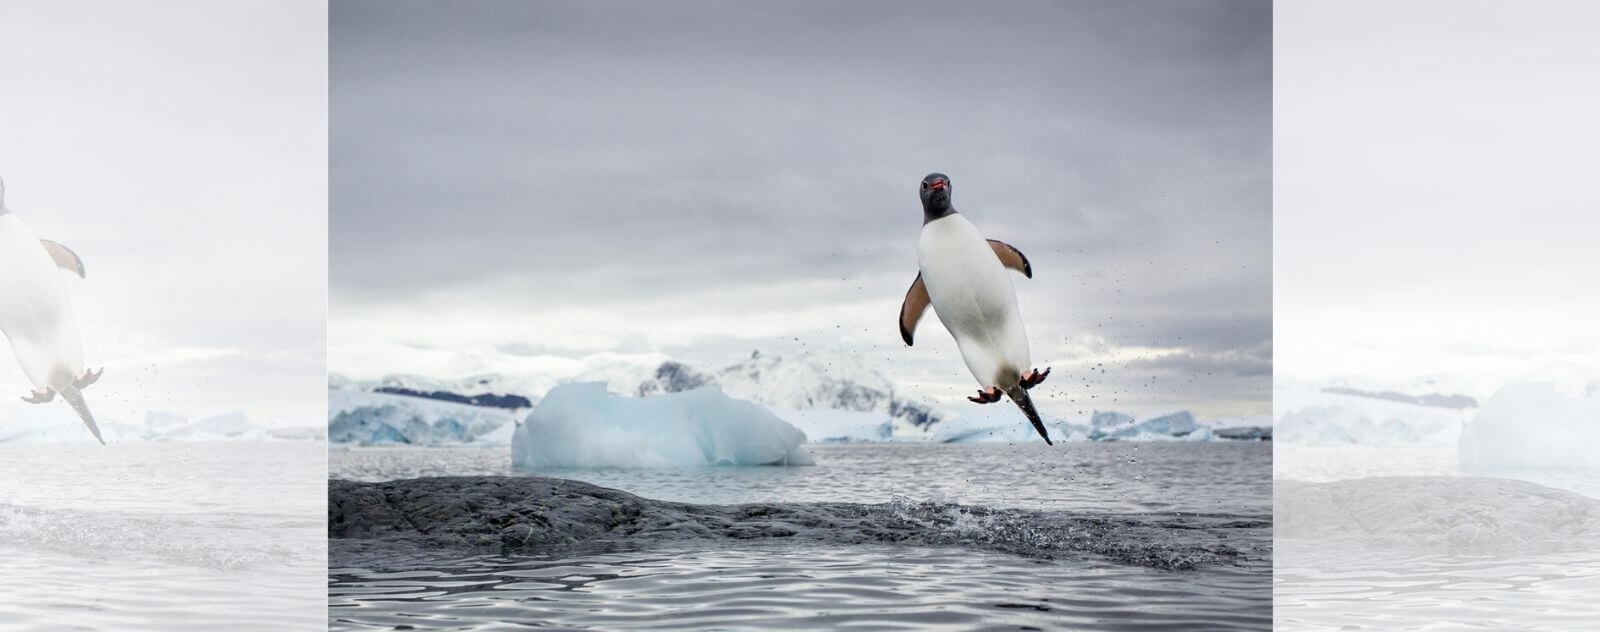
x: 936, y: 193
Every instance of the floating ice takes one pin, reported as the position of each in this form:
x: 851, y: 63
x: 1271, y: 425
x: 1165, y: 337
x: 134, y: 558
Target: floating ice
x: 581, y: 425
x: 1533, y: 426
x: 384, y: 419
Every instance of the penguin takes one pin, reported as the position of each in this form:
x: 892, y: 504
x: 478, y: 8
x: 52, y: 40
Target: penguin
x: 963, y: 277
x: 36, y: 315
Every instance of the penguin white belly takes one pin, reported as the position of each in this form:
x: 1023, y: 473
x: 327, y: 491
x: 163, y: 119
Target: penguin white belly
x: 973, y: 296
x: 35, y: 310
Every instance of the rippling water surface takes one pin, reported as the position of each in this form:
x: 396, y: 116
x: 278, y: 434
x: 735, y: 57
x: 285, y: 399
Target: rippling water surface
x: 1322, y: 583
x: 1163, y: 502
x: 192, y: 536
x: 1319, y: 589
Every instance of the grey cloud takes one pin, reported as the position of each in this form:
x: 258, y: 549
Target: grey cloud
x: 1252, y: 362
x: 608, y: 155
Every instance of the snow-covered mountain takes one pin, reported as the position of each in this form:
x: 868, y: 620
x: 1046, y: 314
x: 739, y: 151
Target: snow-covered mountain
x: 833, y: 396
x: 799, y: 383
x: 809, y: 380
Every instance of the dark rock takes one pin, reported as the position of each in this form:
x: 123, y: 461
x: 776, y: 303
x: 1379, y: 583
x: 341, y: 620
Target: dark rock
x: 487, y: 400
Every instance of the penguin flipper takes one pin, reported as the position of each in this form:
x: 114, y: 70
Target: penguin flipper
x: 912, y: 308
x: 64, y: 257
x: 1012, y: 258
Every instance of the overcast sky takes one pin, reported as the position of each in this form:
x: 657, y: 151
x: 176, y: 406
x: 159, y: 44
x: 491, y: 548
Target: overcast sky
x: 1437, y: 213
x: 180, y: 149
x: 519, y: 179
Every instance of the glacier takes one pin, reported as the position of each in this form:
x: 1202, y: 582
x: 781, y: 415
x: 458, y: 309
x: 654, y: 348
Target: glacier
x: 581, y: 425
x: 366, y: 418
x: 1533, y: 426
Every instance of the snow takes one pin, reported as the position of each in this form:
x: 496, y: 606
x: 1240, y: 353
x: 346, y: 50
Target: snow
x: 1533, y: 425
x: 835, y: 380
x: 1307, y: 414
x: 840, y: 426
x: 384, y: 419
x: 623, y: 371
x: 584, y: 426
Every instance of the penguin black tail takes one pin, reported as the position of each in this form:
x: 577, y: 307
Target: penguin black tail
x: 1019, y: 396
x: 74, y: 397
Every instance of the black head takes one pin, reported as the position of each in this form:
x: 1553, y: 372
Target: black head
x: 936, y: 195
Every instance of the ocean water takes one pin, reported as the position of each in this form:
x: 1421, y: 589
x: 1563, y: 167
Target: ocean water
x: 1126, y: 535
x: 1525, y: 558
x: 163, y: 536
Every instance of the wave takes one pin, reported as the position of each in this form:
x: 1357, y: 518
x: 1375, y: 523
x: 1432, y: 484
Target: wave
x: 1429, y: 515
x: 536, y: 513
x: 224, y: 542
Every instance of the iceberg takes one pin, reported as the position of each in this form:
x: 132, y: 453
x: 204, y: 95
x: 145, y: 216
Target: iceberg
x: 581, y: 425
x: 1532, y: 426
x: 386, y: 419
x: 1178, y: 425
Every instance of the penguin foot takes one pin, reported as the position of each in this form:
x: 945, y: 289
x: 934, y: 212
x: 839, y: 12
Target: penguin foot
x: 1034, y: 377
x: 40, y: 397
x: 986, y: 396
x: 89, y: 376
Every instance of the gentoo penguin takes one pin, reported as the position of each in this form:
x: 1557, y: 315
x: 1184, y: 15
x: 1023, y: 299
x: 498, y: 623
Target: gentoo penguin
x: 36, y: 315
x: 964, y: 277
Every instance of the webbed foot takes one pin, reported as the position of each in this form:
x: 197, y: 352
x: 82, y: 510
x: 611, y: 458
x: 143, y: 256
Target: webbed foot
x: 40, y: 397
x: 986, y: 396
x: 1034, y: 377
x: 89, y: 376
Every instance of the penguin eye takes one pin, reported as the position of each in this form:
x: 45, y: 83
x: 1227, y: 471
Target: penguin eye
x: 924, y: 185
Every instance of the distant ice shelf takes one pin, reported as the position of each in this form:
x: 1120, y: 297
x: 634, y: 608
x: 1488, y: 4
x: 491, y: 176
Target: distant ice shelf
x: 584, y: 426
x: 372, y: 419
x: 1006, y: 425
